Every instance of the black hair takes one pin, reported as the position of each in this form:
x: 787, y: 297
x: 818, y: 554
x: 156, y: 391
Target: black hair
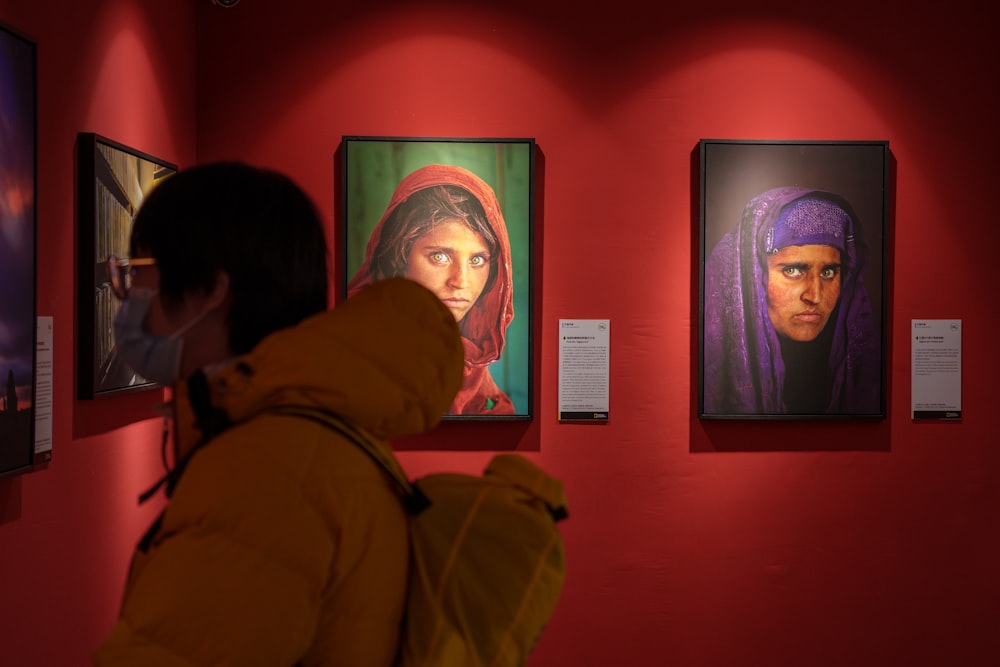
x: 255, y: 224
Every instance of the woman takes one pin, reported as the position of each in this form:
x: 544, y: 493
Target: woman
x: 788, y: 323
x: 282, y: 542
x: 444, y: 229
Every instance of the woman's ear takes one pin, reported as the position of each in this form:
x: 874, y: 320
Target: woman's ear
x: 219, y: 292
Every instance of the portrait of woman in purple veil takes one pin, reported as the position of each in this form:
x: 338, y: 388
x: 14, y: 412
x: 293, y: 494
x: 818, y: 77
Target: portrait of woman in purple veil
x: 789, y: 327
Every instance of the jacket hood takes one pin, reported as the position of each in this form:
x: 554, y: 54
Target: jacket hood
x: 388, y: 360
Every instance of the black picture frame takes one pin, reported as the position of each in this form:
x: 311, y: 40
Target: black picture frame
x: 769, y: 349
x: 18, y: 248
x: 373, y: 167
x: 113, y: 181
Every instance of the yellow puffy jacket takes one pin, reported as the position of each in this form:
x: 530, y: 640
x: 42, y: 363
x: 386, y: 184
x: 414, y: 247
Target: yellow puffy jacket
x: 282, y: 543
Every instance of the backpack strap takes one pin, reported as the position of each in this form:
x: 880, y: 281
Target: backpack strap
x: 413, y: 498
x: 210, y: 420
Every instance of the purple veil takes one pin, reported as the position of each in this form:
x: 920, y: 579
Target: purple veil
x: 743, y: 369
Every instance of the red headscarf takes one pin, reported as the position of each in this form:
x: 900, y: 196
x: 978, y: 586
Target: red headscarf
x: 484, y: 328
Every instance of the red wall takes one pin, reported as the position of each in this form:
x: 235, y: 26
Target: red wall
x: 126, y: 70
x: 689, y: 543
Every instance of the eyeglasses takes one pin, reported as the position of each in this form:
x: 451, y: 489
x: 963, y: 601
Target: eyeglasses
x: 121, y: 271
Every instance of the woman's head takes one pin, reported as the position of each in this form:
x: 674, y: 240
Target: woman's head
x: 253, y: 225
x: 804, y: 249
x: 441, y: 238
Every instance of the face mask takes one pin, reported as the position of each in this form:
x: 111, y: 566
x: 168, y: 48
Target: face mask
x: 156, y: 358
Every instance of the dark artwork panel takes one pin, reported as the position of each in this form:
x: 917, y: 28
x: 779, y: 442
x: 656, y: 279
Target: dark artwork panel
x: 114, y: 181
x: 17, y: 249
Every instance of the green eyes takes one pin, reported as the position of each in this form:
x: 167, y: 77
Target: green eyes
x: 440, y: 257
x: 795, y: 272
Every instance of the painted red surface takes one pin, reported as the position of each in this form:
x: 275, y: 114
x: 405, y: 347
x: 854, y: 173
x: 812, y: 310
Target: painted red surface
x: 689, y: 543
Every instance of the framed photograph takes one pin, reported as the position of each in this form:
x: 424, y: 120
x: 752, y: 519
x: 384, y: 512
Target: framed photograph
x: 114, y: 180
x: 792, y: 279
x: 456, y: 215
x: 18, y: 190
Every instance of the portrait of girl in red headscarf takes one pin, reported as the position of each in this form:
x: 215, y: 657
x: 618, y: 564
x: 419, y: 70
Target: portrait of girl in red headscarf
x: 444, y: 229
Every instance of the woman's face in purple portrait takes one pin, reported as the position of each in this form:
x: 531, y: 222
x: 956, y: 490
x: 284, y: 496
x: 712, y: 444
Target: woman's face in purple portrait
x: 803, y: 288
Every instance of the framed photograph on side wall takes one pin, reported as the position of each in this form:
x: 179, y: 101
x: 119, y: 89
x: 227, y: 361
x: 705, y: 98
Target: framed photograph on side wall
x: 455, y: 215
x: 792, y: 279
x: 18, y: 190
x: 113, y: 181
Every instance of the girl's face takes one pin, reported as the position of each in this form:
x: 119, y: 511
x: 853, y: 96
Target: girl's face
x: 803, y: 287
x: 453, y: 262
